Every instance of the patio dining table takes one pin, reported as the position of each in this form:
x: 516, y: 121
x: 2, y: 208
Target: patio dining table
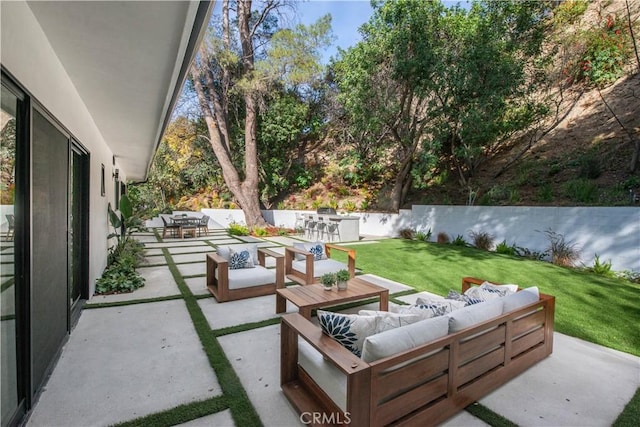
x: 188, y: 224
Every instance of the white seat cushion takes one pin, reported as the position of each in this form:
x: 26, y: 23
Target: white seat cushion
x: 320, y: 267
x: 248, y: 277
x: 326, y: 375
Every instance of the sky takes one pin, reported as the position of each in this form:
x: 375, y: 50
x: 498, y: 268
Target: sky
x: 346, y: 17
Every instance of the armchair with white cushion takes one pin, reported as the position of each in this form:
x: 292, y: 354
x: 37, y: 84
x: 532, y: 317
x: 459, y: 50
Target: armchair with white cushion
x: 239, y: 271
x: 305, y: 263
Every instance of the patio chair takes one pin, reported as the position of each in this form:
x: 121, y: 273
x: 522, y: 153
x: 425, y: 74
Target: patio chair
x: 203, y: 224
x: 303, y: 266
x: 171, y: 227
x: 238, y: 272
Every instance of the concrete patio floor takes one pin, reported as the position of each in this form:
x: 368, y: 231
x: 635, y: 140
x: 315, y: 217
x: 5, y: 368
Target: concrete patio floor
x: 128, y: 361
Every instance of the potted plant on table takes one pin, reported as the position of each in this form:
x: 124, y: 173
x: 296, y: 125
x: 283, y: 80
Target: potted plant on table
x: 327, y: 280
x: 342, y: 276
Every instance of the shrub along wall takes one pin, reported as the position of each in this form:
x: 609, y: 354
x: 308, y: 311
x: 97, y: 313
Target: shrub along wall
x: 613, y: 233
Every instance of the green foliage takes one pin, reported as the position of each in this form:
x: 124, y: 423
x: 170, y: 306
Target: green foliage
x: 581, y: 190
x: 545, y: 193
x: 568, y: 12
x: 121, y: 275
x: 342, y: 275
x: 463, y: 70
x: 563, y: 253
x: 349, y: 206
x: 124, y: 223
x: 236, y: 229
x: 459, y: 241
x: 482, y: 240
x: 259, y: 231
x: 601, y: 268
x: 506, y: 249
x: 424, y: 236
x: 589, y: 165
x: 531, y: 254
x: 328, y: 279
x: 631, y: 182
x: 602, y: 53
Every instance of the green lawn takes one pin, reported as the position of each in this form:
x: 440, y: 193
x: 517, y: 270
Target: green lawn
x: 601, y: 310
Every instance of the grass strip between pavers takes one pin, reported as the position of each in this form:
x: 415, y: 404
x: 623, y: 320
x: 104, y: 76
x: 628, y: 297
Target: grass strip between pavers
x: 131, y: 302
x: 242, y: 410
x: 631, y: 414
x: 488, y: 416
x: 246, y: 327
x: 180, y: 414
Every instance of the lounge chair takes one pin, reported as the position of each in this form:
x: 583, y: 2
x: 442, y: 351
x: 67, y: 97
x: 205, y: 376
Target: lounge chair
x: 306, y: 262
x: 238, y: 271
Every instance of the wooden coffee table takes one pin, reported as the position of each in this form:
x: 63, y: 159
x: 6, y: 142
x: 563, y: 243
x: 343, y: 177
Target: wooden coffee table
x: 314, y: 296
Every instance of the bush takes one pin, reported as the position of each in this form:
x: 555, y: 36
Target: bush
x: 602, y: 53
x: 459, y: 241
x: 407, y: 233
x: 563, y: 253
x: 589, y: 167
x: 236, y: 229
x: 119, y: 278
x: 422, y: 236
x: 528, y: 253
x: 581, y: 190
x: 568, y: 12
x: 482, y: 240
x: 505, y: 249
x: 601, y: 268
x: 120, y: 275
x: 443, y: 237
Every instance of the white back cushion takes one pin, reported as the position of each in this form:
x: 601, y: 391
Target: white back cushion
x: 396, y: 340
x: 520, y: 299
x: 474, y: 314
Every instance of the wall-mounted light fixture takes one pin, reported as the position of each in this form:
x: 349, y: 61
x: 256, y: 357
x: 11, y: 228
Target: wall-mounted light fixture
x: 116, y: 174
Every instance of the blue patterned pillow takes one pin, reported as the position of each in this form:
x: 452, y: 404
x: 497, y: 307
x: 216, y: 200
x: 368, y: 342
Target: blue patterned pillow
x: 427, y: 308
x: 467, y: 299
x: 316, y: 248
x: 350, y: 330
x: 240, y: 259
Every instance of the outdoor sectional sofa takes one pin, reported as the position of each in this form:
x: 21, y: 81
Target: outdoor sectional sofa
x: 424, y: 384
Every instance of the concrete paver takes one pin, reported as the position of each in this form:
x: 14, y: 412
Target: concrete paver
x: 124, y: 362
x: 121, y: 363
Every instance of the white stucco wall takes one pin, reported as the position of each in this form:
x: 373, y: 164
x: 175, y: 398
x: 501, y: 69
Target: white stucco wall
x: 611, y: 232
x: 28, y: 56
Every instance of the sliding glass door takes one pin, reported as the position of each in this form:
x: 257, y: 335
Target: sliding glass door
x: 11, y: 283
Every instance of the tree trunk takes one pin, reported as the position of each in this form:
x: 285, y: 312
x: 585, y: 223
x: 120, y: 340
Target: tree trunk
x: 213, y: 102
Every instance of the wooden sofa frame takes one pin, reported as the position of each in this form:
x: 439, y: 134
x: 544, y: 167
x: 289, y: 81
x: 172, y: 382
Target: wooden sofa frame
x: 308, y: 277
x: 425, y: 385
x: 220, y: 287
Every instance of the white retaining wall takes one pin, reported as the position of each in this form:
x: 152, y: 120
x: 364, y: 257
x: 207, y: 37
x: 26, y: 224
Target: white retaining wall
x: 611, y: 232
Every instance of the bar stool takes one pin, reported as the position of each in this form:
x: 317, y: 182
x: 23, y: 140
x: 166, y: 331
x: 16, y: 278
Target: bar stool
x: 321, y: 228
x: 333, y: 230
x: 310, y: 227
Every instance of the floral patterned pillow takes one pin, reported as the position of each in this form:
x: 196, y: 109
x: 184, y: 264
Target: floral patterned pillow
x: 431, y: 308
x: 240, y: 259
x: 316, y: 248
x: 351, y: 330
